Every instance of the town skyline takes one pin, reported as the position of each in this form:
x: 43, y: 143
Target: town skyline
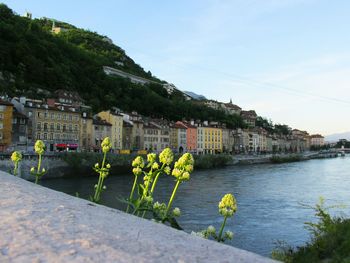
x: 294, y: 89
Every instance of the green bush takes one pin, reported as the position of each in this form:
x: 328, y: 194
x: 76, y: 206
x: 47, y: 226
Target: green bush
x: 330, y: 241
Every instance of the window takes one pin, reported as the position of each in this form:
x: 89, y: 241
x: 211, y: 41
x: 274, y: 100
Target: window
x: 52, y: 126
x: 75, y: 127
x: 1, y: 125
x: 38, y: 126
x: 38, y: 137
x: 46, y: 114
x: 64, y: 127
x: 14, y: 120
x: 30, y: 114
x: 45, y: 136
x: 2, y: 107
x: 1, y: 137
x: 58, y: 127
x: 70, y: 117
x: 45, y: 126
x: 1, y: 116
x: 52, y: 116
x: 22, y: 121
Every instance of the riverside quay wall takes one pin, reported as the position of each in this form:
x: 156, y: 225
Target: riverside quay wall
x: 41, y: 225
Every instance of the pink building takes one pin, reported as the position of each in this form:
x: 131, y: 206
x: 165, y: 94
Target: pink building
x: 191, y: 137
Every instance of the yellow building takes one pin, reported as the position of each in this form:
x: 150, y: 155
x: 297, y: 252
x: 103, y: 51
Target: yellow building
x: 6, y: 110
x: 209, y: 139
x: 117, y: 127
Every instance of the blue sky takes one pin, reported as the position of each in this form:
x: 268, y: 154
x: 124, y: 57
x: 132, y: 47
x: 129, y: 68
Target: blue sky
x: 287, y: 59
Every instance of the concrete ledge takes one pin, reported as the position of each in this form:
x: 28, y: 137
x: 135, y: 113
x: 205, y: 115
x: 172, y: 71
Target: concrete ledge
x: 41, y: 225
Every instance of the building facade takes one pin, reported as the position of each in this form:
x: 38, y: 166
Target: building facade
x: 6, y: 111
x: 116, y: 120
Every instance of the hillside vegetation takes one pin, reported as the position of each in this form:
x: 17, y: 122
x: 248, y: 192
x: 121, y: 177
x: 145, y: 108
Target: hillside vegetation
x: 34, y: 62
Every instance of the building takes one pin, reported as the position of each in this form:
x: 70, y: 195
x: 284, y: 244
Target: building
x: 58, y: 125
x: 228, y: 143
x: 19, y: 130
x: 249, y: 117
x: 6, y: 111
x: 134, y: 139
x: 209, y: 138
x: 191, y: 136
x: 173, y: 138
x: 156, y: 135
x: 231, y: 108
x: 101, y: 129
x: 86, y: 132
x: 316, y: 140
x: 181, y: 137
x: 116, y: 120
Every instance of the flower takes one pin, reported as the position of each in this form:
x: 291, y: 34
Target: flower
x: 176, y: 211
x: 229, y: 235
x: 108, y: 166
x: 137, y: 171
x: 43, y: 170
x: 39, y: 147
x: 106, y: 145
x: 167, y: 170
x: 16, y: 157
x: 228, y: 205
x: 148, y: 199
x: 166, y: 156
x: 155, y: 166
x: 138, y: 162
x: 96, y: 165
x: 104, y: 187
x: 176, y: 173
x: 211, y: 229
x: 32, y: 170
x: 184, y: 160
x: 151, y: 157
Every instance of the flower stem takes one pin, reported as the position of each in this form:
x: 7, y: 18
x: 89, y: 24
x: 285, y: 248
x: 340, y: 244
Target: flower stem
x: 100, y: 182
x: 132, y: 192
x: 222, y: 229
x: 156, y: 179
x: 38, y: 170
x: 15, y: 169
x: 172, y: 196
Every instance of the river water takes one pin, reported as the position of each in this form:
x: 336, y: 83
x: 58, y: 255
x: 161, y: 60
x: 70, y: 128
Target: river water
x: 269, y: 197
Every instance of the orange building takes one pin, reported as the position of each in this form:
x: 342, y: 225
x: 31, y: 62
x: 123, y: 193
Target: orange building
x: 191, y: 137
x: 6, y: 110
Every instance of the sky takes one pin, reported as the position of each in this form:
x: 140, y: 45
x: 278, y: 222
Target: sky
x: 287, y: 59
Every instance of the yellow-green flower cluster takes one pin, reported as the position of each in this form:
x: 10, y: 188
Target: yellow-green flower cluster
x: 151, y: 158
x: 16, y: 157
x: 166, y: 156
x: 39, y: 147
x: 183, y: 167
x: 106, y: 145
x: 160, y: 209
x: 227, y: 205
x: 138, y: 163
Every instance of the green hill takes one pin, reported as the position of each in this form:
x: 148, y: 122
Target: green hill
x: 35, y: 62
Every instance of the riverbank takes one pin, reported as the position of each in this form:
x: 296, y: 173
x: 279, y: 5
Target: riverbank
x: 80, y: 164
x: 39, y: 224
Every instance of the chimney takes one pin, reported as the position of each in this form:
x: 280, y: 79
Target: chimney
x: 51, y: 102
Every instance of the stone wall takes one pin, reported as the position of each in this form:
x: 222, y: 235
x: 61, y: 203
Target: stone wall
x: 41, y: 225
x: 55, y: 167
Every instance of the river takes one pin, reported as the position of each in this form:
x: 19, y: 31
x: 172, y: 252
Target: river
x: 269, y: 198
